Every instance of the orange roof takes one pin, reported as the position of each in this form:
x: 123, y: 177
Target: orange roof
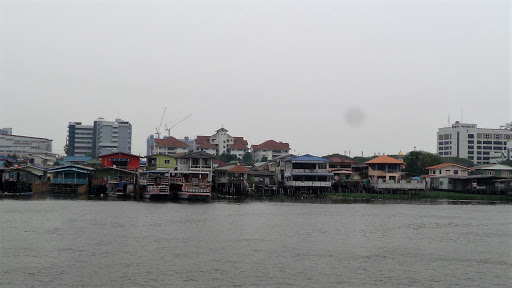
x: 170, y: 142
x: 272, y: 145
x: 447, y: 164
x: 238, y: 169
x: 384, y: 159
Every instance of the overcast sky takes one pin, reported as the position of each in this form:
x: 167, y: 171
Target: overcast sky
x: 324, y: 76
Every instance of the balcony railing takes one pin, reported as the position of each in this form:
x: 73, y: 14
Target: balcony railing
x: 68, y: 181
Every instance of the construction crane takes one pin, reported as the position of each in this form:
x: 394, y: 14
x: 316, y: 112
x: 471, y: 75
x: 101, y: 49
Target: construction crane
x: 157, y: 133
x: 168, y: 129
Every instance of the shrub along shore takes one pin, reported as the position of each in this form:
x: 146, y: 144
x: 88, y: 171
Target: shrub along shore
x: 435, y: 195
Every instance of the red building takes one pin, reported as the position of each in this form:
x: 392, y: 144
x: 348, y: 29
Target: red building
x: 120, y: 160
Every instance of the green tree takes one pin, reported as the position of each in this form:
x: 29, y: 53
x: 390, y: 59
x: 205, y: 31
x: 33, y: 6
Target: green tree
x: 264, y: 159
x: 507, y: 162
x: 247, y: 158
x: 416, y: 162
x: 68, y: 150
x: 226, y: 158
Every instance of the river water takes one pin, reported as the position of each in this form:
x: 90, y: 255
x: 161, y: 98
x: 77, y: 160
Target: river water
x: 74, y: 243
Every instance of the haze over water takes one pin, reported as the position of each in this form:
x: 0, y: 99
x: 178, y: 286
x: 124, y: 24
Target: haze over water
x: 66, y: 243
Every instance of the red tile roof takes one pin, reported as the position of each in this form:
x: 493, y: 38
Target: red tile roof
x: 170, y: 142
x: 384, y: 159
x: 271, y: 145
x: 238, y: 169
x: 447, y: 164
x: 204, y: 142
x: 239, y: 143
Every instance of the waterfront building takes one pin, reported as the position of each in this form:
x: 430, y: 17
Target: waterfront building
x: 448, y: 169
x: 269, y: 149
x: 480, y: 145
x: 385, y: 168
x: 169, y: 145
x: 70, y: 174
x: 100, y: 138
x: 120, y: 160
x: 498, y: 170
x: 307, y: 171
x: 341, y: 163
x: 160, y: 161
x: 23, y: 146
x: 232, y: 177
x: 221, y: 142
x: 193, y: 177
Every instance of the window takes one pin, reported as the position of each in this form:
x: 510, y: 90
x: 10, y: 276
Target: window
x: 497, y: 136
x: 507, y: 137
x: 440, y: 148
x: 455, y: 172
x: 471, y: 136
x: 471, y: 157
x: 487, y: 136
x: 167, y: 161
x: 471, y: 147
x: 471, y: 141
x: 471, y: 152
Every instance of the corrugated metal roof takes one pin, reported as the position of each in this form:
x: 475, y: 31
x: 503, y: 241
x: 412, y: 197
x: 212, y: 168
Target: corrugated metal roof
x: 307, y: 158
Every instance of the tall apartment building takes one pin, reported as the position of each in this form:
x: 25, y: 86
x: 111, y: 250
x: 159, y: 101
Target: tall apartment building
x: 80, y: 139
x: 480, y: 145
x: 100, y: 138
x: 23, y: 146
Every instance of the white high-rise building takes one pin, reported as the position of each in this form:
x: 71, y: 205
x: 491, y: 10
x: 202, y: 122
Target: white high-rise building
x: 480, y: 145
x: 100, y: 138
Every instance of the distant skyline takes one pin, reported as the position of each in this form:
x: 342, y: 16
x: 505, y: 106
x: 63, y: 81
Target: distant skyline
x: 325, y: 76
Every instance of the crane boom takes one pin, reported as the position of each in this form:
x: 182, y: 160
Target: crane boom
x: 160, y: 125
x: 169, y: 129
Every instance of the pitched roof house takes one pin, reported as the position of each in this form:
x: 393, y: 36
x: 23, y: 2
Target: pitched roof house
x: 169, y: 146
x: 270, y: 149
x: 385, y: 168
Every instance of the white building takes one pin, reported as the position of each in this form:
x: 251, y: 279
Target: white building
x: 480, y: 145
x: 448, y: 169
x: 221, y: 142
x: 22, y: 146
x: 169, y: 146
x: 102, y: 137
x: 269, y: 149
